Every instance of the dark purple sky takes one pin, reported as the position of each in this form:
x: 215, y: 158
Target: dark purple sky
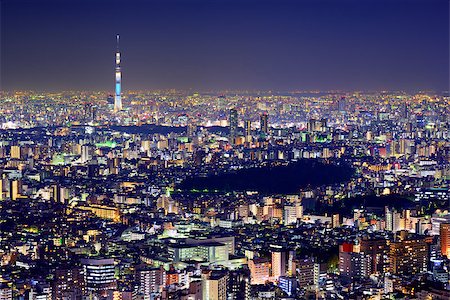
x: 226, y: 44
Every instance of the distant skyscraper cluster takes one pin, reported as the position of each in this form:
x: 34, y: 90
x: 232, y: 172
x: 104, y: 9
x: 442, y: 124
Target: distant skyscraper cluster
x: 179, y: 197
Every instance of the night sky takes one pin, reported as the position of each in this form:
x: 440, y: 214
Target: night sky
x: 226, y: 44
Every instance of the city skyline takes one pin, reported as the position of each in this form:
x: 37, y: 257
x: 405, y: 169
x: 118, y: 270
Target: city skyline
x: 226, y: 45
x: 224, y: 150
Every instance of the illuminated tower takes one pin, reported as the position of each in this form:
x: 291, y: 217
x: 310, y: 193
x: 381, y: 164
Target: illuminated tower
x: 248, y: 130
x: 264, y: 125
x: 118, y: 95
x: 233, y: 124
x: 445, y: 239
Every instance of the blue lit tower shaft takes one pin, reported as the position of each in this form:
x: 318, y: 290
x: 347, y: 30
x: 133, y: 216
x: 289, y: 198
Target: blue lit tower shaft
x: 118, y: 93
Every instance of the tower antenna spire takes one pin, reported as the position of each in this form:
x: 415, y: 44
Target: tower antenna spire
x: 118, y: 80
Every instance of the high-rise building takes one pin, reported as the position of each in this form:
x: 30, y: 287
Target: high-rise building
x: 68, y: 283
x: 90, y: 111
x: 437, y: 219
x: 98, y: 274
x: 248, y: 130
x: 408, y: 256
x: 118, y: 77
x: 15, y: 189
x: 403, y: 110
x: 292, y: 212
x: 215, y: 284
x: 378, y: 250
x: 445, y: 239
x: 15, y: 152
x: 307, y: 273
x: 279, y: 262
x: 392, y: 219
x: 151, y: 280
x: 87, y: 153
x: 259, y: 270
x: 353, y: 262
x: 289, y: 215
x: 233, y: 122
x: 335, y: 220
x: 264, y: 125
x: 288, y: 285
x: 239, y: 285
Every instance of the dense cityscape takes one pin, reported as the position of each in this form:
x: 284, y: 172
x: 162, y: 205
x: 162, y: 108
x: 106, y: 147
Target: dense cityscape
x: 216, y: 194
x: 226, y: 195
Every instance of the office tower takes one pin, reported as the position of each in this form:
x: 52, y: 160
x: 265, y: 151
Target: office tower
x: 93, y: 115
x: 408, y: 257
x: 98, y: 275
x: 291, y: 267
x: 233, y: 121
x: 335, y: 220
x: 59, y: 194
x: 378, y: 250
x: 292, y: 212
x: 68, y: 283
x: 308, y: 273
x: 15, y: 189
x: 445, y: 239
x: 403, y: 111
x: 392, y: 219
x: 118, y: 91
x: 150, y: 280
x: 323, y: 124
x: 279, y: 262
x: 87, y: 153
x: 239, y: 285
x: 215, y: 285
x: 288, y: 285
x: 4, y: 187
x: 248, y: 130
x: 15, y: 152
x: 264, y: 125
x: 289, y: 215
x: 353, y: 262
x: 259, y: 270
